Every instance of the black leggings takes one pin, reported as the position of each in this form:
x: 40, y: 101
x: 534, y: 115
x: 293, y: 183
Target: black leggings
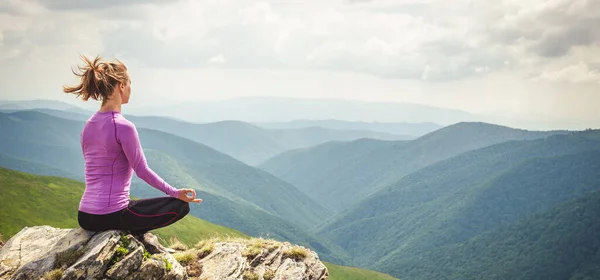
x: 139, y: 217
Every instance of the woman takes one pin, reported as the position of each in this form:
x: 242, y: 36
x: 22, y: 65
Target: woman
x: 112, y: 152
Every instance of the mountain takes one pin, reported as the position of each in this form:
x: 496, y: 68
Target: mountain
x: 252, y: 144
x: 340, y: 174
x: 244, y: 141
x: 411, y: 130
x: 6, y: 105
x: 35, y: 168
x: 464, y: 196
x: 53, y: 201
x: 234, y: 194
x: 281, y: 109
x: 559, y: 243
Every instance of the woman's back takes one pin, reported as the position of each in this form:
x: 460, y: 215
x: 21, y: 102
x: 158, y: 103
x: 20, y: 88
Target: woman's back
x: 107, y: 170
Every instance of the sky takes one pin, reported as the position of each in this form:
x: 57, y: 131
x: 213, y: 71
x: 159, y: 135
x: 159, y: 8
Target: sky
x: 529, y: 59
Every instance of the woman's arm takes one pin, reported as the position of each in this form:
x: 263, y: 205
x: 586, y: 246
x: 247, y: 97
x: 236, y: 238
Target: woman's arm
x: 128, y: 136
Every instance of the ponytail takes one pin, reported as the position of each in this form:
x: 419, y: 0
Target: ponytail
x: 98, y: 79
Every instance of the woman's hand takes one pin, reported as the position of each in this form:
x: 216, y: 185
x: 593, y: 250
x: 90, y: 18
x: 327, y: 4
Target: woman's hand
x: 183, y: 195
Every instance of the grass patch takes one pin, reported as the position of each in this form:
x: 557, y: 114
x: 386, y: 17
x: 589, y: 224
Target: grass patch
x: 269, y: 275
x: 68, y: 257
x: 249, y: 275
x: 122, y: 250
x: 175, y: 244
x: 205, y: 247
x: 55, y: 274
x: 168, y: 264
x: 296, y: 253
x: 147, y: 254
x: 187, y: 257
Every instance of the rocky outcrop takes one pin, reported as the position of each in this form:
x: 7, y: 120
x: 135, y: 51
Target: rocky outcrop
x: 44, y: 252
x: 49, y: 253
x: 252, y: 259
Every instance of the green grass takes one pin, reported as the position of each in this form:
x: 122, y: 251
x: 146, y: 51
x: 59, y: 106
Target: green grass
x: 338, y: 272
x: 31, y: 200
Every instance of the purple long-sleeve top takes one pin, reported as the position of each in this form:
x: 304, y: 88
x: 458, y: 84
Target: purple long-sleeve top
x: 112, y: 152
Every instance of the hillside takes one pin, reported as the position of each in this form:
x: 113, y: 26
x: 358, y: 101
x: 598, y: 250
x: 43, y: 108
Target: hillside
x: 53, y: 201
x: 246, y: 142
x: 235, y: 195
x: 342, y: 174
x: 39, y: 104
x: 559, y: 243
x: 462, y: 197
x: 35, y: 168
x: 30, y: 200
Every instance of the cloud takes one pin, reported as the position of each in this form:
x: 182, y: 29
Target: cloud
x: 547, y: 28
x: 427, y: 40
x: 93, y: 4
x: 576, y: 73
x: 219, y: 59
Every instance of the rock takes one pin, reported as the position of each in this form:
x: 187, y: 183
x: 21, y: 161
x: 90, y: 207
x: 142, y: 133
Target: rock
x: 36, y: 252
x: 160, y: 266
x: 80, y: 254
x: 94, y: 262
x: 151, y: 243
x: 134, y: 256
x: 259, y: 259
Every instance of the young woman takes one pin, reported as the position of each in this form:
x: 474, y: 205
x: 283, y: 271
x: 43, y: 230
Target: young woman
x: 112, y: 153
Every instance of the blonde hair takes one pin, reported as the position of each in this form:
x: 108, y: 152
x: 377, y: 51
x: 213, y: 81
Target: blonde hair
x: 98, y: 78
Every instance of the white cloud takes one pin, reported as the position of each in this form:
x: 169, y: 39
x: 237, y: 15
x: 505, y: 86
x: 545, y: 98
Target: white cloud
x: 219, y: 59
x: 576, y: 73
x: 392, y: 39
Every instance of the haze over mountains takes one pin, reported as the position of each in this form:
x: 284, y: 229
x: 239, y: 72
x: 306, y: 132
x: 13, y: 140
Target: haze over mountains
x: 244, y: 141
x: 468, y: 200
x: 269, y: 110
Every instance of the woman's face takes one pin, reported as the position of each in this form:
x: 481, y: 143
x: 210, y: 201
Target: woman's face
x: 126, y: 91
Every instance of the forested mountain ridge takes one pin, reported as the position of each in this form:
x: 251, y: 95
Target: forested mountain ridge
x: 341, y: 174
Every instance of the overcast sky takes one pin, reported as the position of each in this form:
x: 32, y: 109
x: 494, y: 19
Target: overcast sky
x: 518, y: 58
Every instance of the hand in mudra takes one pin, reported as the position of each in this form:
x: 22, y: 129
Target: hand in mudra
x: 188, y: 195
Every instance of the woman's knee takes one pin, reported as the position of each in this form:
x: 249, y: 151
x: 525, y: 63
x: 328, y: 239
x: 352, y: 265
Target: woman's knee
x: 185, y: 209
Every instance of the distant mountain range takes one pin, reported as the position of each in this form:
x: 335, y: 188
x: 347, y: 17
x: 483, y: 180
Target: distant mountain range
x: 243, y: 141
x: 342, y: 174
x: 557, y: 243
x: 413, y: 129
x: 462, y: 197
x: 268, y: 110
